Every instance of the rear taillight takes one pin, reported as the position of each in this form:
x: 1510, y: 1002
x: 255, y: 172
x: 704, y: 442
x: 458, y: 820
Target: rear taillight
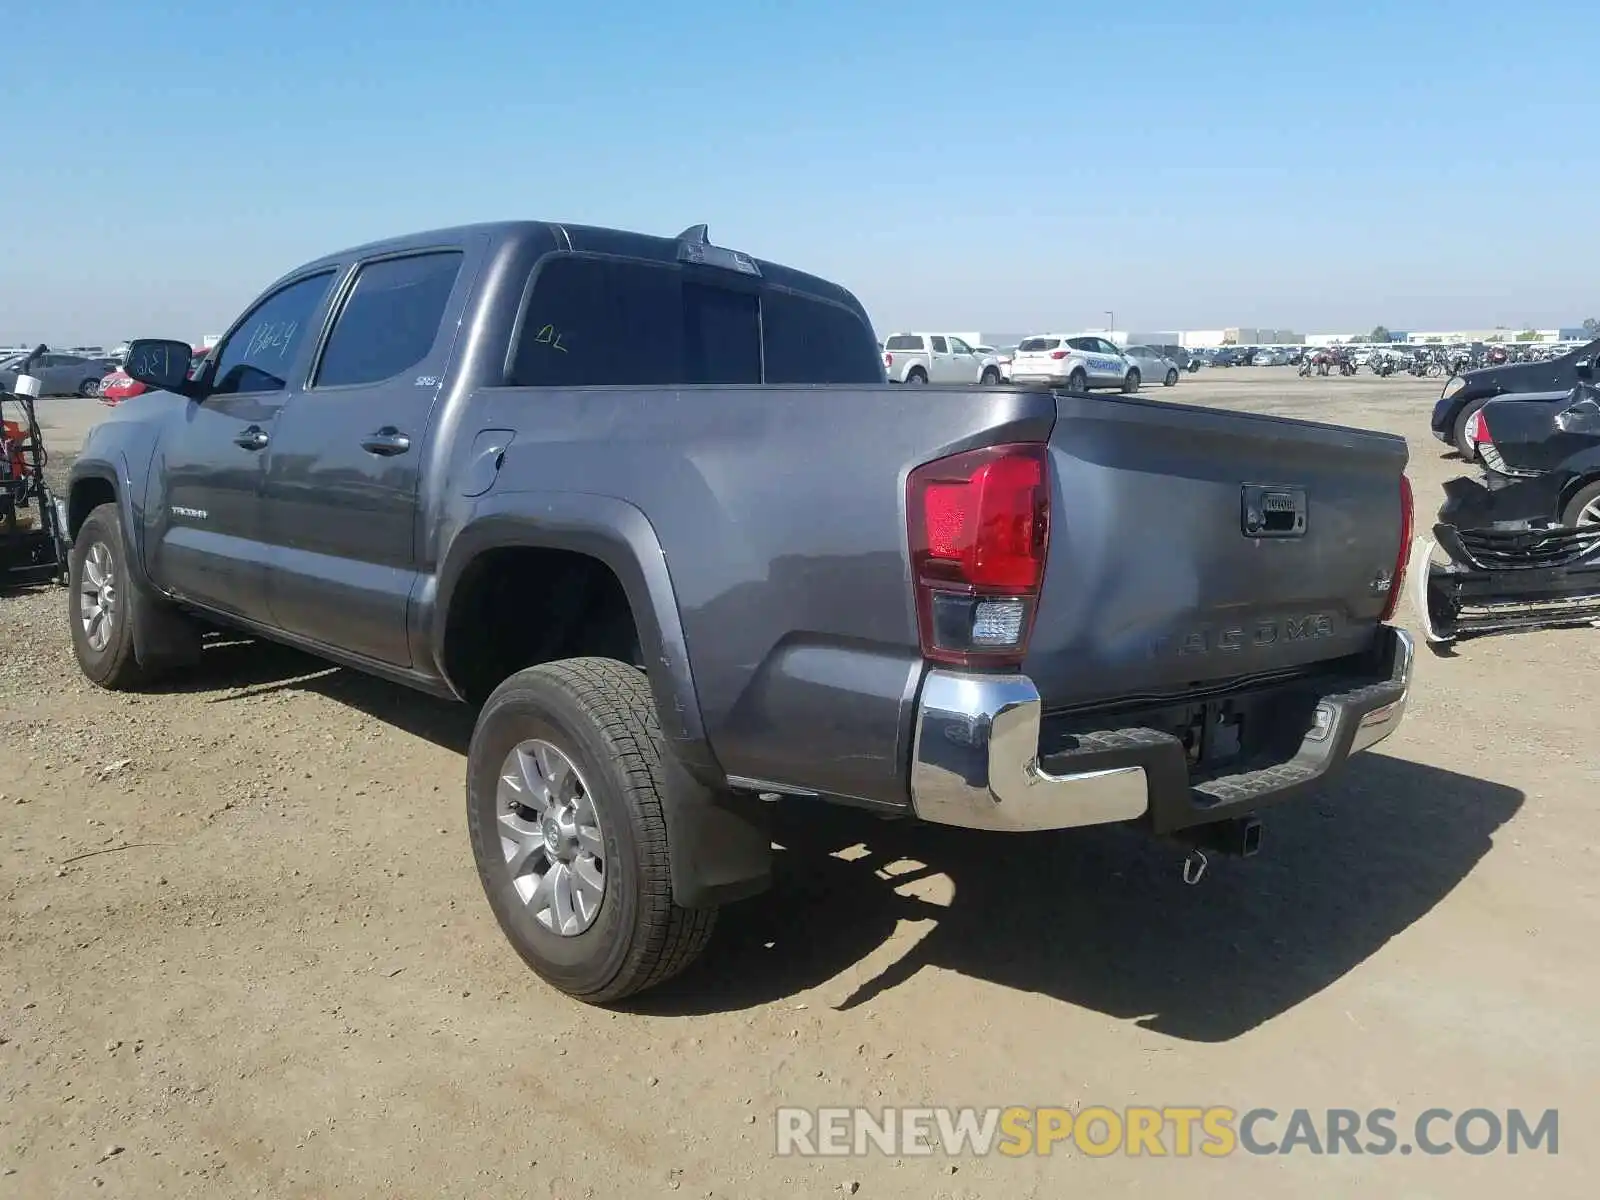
x: 979, y: 526
x: 1477, y: 429
x: 1397, y: 581
x: 1058, y: 355
x: 888, y: 360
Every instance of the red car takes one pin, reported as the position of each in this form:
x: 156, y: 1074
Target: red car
x: 117, y: 386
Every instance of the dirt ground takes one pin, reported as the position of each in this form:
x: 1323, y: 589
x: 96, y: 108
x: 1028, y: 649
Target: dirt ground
x: 283, y: 980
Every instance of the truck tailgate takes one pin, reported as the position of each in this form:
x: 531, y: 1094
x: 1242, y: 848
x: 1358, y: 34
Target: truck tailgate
x: 1191, y: 547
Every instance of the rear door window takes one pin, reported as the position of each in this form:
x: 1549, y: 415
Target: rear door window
x: 390, y: 319
x: 939, y: 345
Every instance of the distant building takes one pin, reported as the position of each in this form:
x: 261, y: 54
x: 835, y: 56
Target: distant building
x: 1454, y: 336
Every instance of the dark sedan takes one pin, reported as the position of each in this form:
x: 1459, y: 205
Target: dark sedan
x: 1468, y: 392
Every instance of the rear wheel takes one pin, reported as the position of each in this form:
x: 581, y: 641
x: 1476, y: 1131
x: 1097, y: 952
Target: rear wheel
x: 1078, y: 381
x: 916, y: 375
x: 1583, y: 510
x: 565, y: 793
x: 1172, y: 378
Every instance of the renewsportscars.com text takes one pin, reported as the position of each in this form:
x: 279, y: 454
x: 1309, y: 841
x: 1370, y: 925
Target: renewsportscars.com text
x: 1213, y: 1132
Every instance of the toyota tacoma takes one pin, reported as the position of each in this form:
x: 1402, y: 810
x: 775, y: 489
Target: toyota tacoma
x: 652, y: 507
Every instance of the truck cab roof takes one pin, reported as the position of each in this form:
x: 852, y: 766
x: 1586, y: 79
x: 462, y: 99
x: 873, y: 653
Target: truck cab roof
x: 581, y: 239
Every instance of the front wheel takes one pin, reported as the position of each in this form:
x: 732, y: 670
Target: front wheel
x: 1172, y: 378
x: 991, y: 376
x: 89, y: 389
x: 565, y: 794
x: 97, y: 603
x: 1130, y: 381
x: 1458, y: 433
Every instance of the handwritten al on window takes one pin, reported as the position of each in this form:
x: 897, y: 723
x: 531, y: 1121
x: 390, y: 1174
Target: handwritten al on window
x: 550, y: 336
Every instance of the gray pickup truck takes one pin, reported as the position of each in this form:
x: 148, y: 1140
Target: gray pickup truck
x: 652, y: 507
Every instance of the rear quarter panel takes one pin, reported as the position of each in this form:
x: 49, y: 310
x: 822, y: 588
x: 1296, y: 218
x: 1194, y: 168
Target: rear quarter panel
x: 781, y: 513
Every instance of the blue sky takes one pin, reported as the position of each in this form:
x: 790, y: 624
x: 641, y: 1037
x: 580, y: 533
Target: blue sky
x: 1187, y: 165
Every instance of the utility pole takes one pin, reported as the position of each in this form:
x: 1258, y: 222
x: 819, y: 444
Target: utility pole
x: 1111, y: 321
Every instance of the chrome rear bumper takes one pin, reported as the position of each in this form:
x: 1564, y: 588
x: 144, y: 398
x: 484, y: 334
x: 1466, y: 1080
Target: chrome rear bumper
x: 975, y: 756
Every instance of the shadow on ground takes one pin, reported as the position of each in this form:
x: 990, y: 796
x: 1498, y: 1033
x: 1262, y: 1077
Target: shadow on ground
x: 236, y: 667
x: 1098, y: 918
x: 1101, y: 918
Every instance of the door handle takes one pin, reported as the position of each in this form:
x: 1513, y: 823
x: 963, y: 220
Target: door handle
x: 254, y: 438
x: 386, y: 441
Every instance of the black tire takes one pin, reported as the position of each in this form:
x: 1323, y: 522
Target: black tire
x: 114, y: 665
x: 1172, y: 378
x: 990, y: 376
x: 1130, y: 381
x: 1078, y: 381
x: 1458, y: 434
x: 600, y: 713
x: 916, y: 375
x: 1588, y: 494
x: 89, y: 388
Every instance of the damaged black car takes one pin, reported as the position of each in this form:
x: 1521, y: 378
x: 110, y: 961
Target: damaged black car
x: 1522, y: 543
x: 1466, y: 393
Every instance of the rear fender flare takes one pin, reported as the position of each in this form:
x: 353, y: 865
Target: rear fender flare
x: 619, y: 535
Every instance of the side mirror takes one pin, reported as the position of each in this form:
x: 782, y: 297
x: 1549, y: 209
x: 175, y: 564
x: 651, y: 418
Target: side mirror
x: 1584, y: 368
x: 159, y: 363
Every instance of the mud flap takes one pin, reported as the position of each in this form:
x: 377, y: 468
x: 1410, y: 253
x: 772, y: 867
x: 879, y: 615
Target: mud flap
x: 163, y: 637
x: 719, y: 843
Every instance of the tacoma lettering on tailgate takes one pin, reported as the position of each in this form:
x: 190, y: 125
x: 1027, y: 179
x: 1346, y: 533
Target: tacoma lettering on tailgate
x: 1237, y: 637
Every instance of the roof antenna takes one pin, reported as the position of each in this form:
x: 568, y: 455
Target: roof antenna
x: 698, y: 234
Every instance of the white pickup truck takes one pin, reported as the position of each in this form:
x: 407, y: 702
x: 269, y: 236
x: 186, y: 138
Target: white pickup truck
x: 937, y: 358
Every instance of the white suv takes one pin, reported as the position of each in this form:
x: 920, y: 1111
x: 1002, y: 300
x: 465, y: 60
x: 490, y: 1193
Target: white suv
x: 1077, y: 362
x: 936, y: 358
